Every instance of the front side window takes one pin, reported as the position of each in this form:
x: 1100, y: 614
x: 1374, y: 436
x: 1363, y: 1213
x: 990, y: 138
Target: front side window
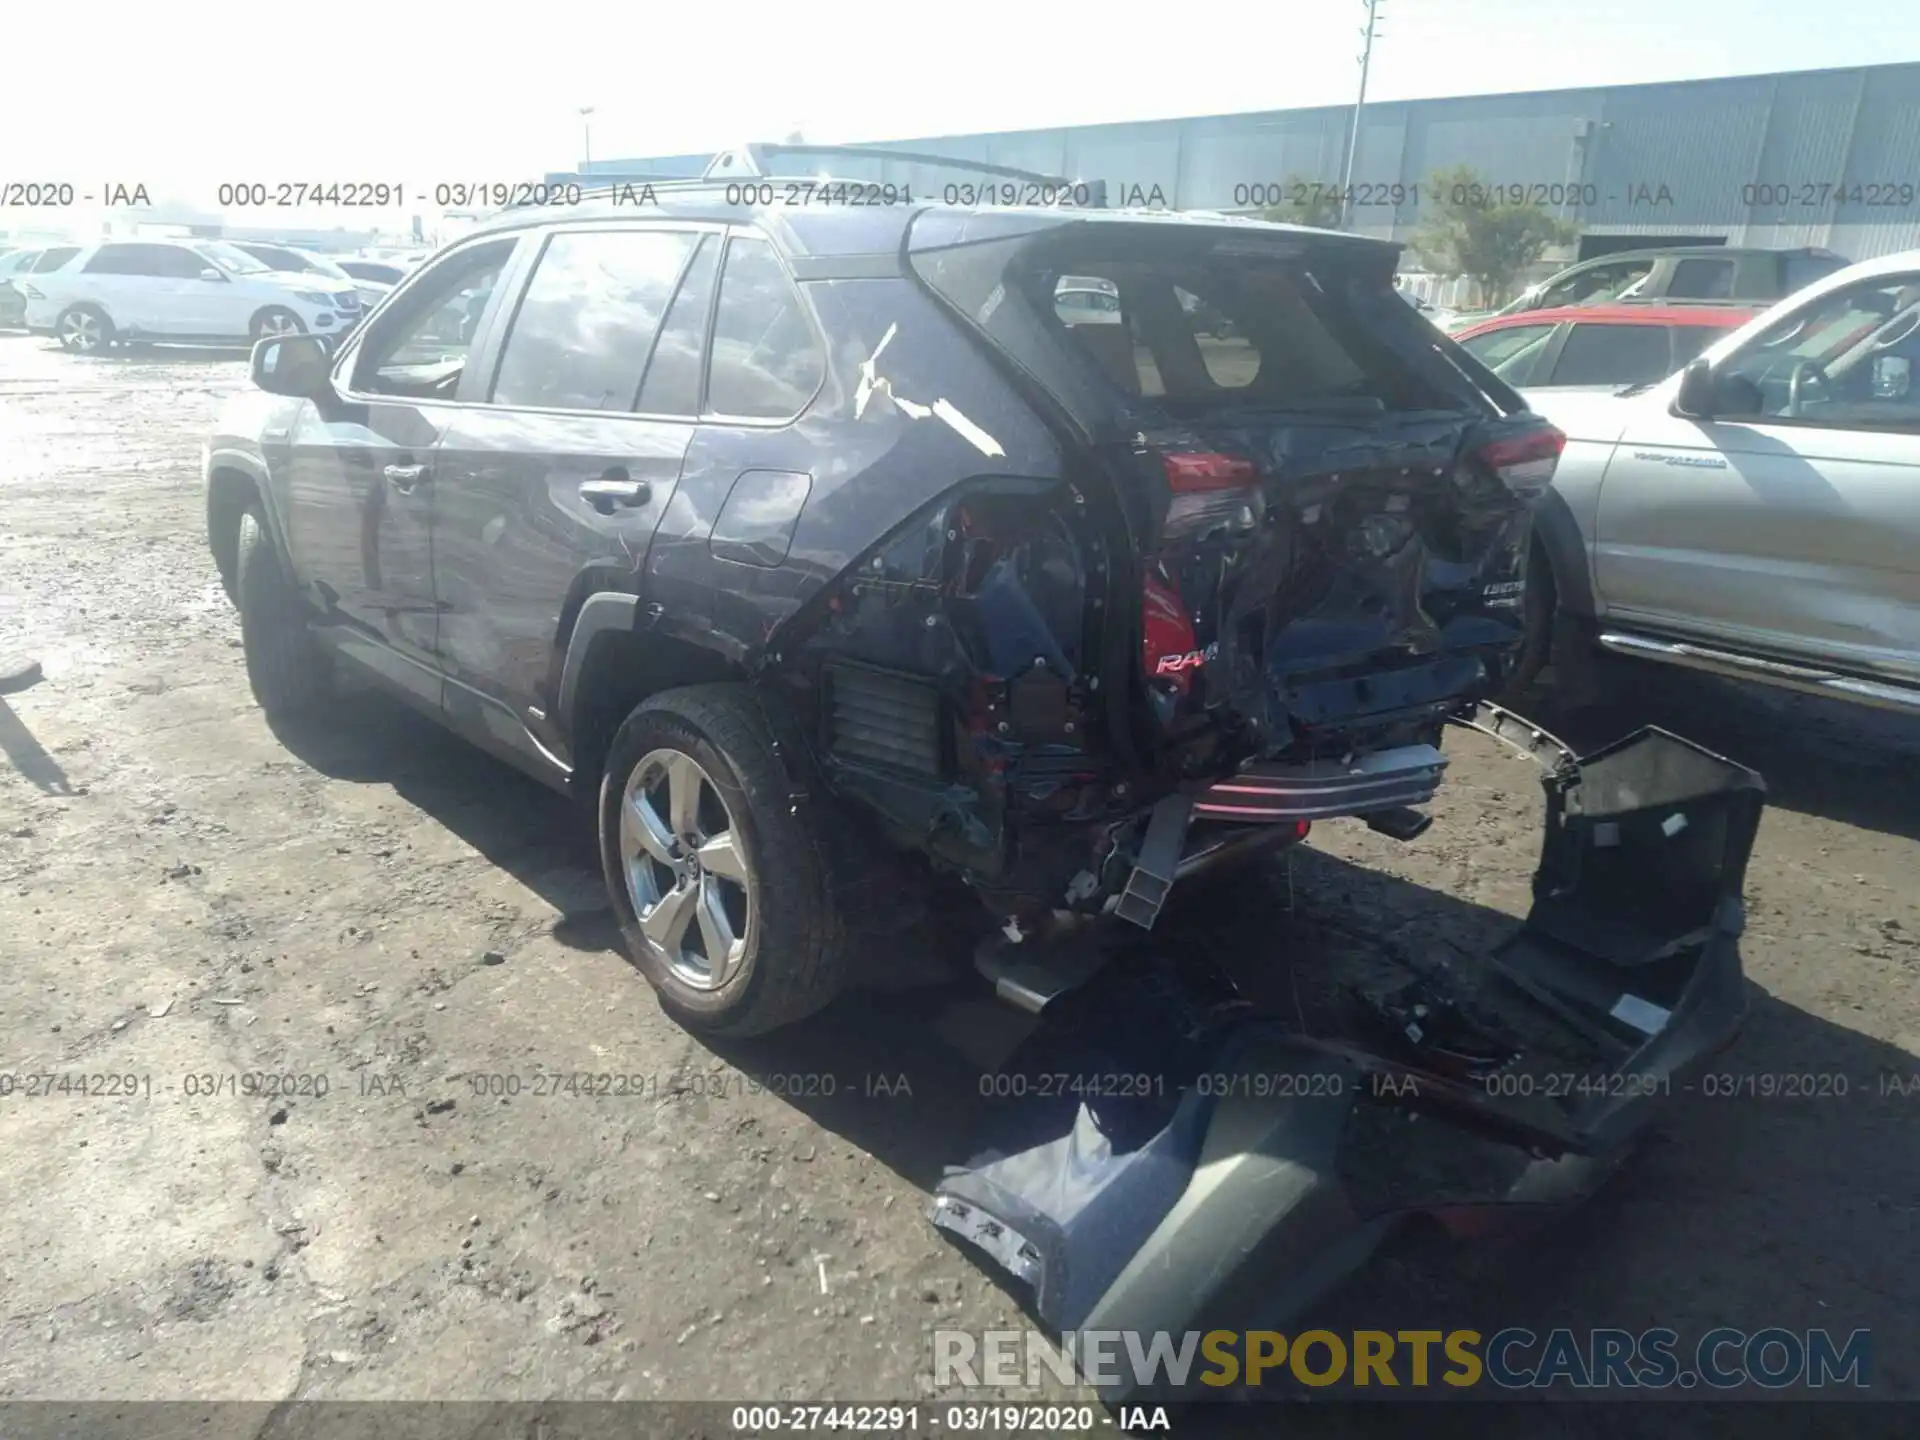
x: 1510, y: 353
x: 1613, y: 355
x: 765, y: 363
x: 1702, y: 280
x: 587, y: 323
x: 1847, y: 359
x: 419, y: 347
x: 230, y: 258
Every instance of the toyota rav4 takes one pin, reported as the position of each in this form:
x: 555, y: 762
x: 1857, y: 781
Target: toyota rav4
x: 776, y: 534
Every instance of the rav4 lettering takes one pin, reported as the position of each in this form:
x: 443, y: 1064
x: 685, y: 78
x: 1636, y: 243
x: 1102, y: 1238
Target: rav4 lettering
x: 1192, y: 660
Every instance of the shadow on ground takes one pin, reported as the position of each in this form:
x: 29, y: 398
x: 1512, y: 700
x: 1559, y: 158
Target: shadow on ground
x: 1848, y: 763
x: 1743, y: 1208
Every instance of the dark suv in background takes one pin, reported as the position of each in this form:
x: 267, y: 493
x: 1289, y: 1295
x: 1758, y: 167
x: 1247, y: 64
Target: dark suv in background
x: 786, y: 533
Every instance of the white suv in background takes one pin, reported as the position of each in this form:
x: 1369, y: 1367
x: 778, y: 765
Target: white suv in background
x: 198, y: 291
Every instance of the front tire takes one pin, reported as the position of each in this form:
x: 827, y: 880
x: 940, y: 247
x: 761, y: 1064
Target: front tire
x: 276, y: 320
x: 84, y: 329
x: 287, y: 671
x: 722, y: 891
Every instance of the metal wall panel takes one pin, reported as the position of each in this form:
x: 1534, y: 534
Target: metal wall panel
x: 1662, y: 159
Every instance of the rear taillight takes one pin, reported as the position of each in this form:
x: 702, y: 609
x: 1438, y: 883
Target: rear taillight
x: 1210, y: 490
x: 31, y: 293
x: 1525, y: 463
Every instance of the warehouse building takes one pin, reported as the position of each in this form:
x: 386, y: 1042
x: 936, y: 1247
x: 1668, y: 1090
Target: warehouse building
x: 1827, y: 158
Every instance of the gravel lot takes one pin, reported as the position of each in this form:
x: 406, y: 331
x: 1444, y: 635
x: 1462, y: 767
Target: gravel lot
x: 190, y: 898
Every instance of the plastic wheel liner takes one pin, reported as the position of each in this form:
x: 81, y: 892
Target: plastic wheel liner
x: 1247, y: 1166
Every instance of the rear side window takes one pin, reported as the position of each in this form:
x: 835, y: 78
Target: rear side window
x: 53, y: 259
x: 673, y: 377
x: 122, y: 260
x: 1613, y: 355
x: 1702, y: 280
x: 766, y: 363
x: 587, y: 323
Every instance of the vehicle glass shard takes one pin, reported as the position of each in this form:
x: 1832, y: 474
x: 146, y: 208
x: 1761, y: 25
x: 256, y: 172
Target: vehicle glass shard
x: 873, y: 383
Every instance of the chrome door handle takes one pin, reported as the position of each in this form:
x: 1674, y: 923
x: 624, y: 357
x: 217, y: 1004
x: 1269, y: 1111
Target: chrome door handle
x: 603, y: 494
x: 404, y: 477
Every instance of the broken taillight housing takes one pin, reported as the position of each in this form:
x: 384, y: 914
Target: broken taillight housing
x: 1211, y: 491
x: 1525, y: 462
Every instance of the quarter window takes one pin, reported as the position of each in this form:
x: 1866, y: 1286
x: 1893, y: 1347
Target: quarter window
x: 586, y: 326
x: 765, y: 363
x: 1510, y: 353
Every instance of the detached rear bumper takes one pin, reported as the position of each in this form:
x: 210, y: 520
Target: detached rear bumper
x: 1225, y: 1170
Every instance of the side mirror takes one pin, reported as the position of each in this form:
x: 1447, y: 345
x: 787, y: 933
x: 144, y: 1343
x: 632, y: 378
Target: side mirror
x: 299, y: 366
x: 1695, y: 396
x: 210, y: 273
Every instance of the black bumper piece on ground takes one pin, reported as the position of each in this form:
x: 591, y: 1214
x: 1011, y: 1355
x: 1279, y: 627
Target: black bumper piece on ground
x: 1225, y: 1170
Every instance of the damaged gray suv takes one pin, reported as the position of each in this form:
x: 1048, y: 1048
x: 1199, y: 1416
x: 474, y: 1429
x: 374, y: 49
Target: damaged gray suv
x: 786, y: 533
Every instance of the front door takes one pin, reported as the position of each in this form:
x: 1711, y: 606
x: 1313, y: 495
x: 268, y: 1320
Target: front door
x: 1791, y: 521
x: 361, y: 472
x: 550, y: 485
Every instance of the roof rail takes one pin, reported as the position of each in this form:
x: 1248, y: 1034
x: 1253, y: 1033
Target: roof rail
x: 751, y: 160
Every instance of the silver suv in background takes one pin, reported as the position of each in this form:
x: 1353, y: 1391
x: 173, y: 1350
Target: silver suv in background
x: 1756, y: 514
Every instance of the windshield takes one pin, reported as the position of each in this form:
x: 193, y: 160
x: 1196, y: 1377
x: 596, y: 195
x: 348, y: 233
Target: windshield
x: 230, y: 258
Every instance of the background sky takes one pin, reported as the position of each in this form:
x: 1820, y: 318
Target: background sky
x: 182, y: 99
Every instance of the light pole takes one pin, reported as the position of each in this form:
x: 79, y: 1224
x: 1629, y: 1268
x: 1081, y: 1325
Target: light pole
x: 586, y: 138
x: 1353, y: 133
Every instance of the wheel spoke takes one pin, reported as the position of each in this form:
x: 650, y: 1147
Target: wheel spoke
x: 721, y: 856
x: 666, y: 923
x: 716, y: 931
x: 643, y: 831
x: 683, y: 794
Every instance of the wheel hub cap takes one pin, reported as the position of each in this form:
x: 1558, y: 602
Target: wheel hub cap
x: 686, y: 869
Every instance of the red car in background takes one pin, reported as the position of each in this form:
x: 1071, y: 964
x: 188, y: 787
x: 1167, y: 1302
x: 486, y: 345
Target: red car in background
x: 1599, y: 347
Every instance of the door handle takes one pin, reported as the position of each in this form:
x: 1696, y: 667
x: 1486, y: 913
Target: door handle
x: 604, y: 494
x: 404, y: 477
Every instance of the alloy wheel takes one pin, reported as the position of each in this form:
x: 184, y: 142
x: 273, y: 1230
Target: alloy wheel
x: 279, y: 324
x: 688, y: 877
x: 81, y: 331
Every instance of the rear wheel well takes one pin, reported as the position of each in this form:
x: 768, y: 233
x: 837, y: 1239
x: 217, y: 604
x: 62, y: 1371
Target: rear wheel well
x: 229, y: 493
x: 621, y: 669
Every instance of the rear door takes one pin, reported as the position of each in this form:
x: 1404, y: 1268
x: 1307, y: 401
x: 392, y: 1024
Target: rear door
x: 359, y: 469
x: 551, y: 484
x: 121, y: 279
x: 1791, y: 522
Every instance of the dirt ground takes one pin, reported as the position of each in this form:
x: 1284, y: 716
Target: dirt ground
x: 191, y: 902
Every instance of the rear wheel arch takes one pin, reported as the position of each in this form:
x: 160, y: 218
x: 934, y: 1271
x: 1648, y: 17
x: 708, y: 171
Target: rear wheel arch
x: 1558, y: 543
x: 610, y: 669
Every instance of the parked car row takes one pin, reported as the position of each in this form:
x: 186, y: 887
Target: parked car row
x: 187, y: 291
